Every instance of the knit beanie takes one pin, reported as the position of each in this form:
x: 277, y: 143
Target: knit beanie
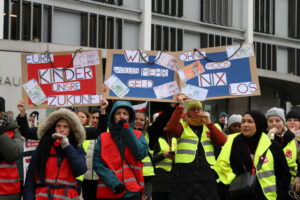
x: 2, y: 104
x: 293, y: 114
x: 191, y: 104
x: 279, y: 112
x: 223, y: 114
x: 234, y: 119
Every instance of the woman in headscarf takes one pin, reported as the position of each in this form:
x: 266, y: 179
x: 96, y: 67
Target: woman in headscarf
x: 58, y: 160
x: 242, y: 153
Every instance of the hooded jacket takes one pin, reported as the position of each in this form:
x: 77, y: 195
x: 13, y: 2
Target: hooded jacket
x: 138, y: 147
x: 10, y: 149
x: 74, y: 154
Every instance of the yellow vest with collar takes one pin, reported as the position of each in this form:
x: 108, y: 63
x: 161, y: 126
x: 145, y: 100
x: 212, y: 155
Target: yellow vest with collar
x: 166, y: 163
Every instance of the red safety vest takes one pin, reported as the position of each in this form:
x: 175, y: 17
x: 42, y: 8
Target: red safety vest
x: 110, y: 155
x: 61, y: 186
x: 9, y: 175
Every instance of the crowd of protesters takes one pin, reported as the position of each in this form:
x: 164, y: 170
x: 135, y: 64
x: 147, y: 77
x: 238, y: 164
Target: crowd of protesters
x: 180, y: 155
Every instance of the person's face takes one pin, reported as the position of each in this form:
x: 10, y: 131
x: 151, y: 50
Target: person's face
x: 195, y: 112
x: 121, y: 113
x: 31, y: 118
x: 293, y: 122
x: 62, y: 127
x: 235, y: 127
x: 139, y: 121
x: 82, y: 117
x: 222, y: 120
x: 248, y: 126
x: 95, y: 118
x: 276, y: 122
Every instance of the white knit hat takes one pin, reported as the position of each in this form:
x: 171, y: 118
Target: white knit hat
x: 276, y: 112
x: 233, y: 119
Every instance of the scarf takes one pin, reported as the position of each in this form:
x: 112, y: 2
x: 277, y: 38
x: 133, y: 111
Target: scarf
x: 195, y: 122
x: 4, y: 120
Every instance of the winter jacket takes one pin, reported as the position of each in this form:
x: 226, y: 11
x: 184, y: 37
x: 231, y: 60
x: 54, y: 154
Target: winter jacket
x: 74, y: 155
x: 138, y: 147
x: 10, y: 150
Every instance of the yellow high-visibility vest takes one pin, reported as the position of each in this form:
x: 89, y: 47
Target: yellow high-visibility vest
x: 290, y: 152
x: 148, y: 169
x: 166, y: 164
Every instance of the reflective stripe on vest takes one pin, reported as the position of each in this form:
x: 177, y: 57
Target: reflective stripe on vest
x: 290, y: 152
x: 187, y: 145
x: 110, y: 155
x: 9, y: 175
x: 65, y: 178
x: 265, y: 175
x: 148, y: 169
x: 42, y: 194
x: 166, y: 164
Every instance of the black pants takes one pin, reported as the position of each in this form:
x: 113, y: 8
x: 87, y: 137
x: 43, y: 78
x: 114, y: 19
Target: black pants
x: 131, y: 198
x: 89, y: 189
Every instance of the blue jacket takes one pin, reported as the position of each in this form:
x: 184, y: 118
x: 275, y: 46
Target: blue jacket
x: 138, y: 147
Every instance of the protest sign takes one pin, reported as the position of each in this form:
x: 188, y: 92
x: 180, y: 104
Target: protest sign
x: 60, y: 79
x: 221, y: 72
x: 135, y: 75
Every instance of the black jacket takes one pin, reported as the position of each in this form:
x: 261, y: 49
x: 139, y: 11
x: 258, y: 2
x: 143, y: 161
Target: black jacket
x: 240, y: 158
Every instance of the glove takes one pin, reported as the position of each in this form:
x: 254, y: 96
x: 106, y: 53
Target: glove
x: 123, y: 123
x: 119, y: 189
x: 63, y: 140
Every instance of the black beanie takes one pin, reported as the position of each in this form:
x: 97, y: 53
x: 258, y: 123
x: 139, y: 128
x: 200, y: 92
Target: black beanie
x: 2, y: 104
x: 259, y: 119
x: 293, y: 114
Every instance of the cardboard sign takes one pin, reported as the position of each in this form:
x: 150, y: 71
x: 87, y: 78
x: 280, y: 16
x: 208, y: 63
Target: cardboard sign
x: 133, y: 75
x: 229, y: 71
x: 61, y: 79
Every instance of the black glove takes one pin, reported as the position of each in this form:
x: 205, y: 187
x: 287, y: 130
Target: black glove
x: 122, y: 121
x: 119, y: 189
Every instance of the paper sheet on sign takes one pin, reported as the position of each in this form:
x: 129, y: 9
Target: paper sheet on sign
x: 245, y: 51
x: 166, y: 90
x: 86, y: 59
x: 190, y: 71
x: 35, y: 92
x: 242, y: 88
x: 117, y: 86
x: 167, y: 61
x: 194, y: 92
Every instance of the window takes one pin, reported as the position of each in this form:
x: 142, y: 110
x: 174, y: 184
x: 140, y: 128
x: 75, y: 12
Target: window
x: 216, y: 12
x: 93, y: 30
x: 264, y: 15
x: 294, y: 20
x: 168, y: 7
x: 210, y: 40
x: 265, y: 56
x: 166, y: 38
x: 294, y: 61
x: 113, y: 2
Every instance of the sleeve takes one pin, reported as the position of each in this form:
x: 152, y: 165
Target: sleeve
x: 157, y: 157
x: 26, y: 132
x: 93, y: 132
x: 158, y: 125
x: 174, y: 126
x: 217, y: 136
x: 298, y: 168
x: 11, y: 149
x: 30, y: 185
x: 138, y: 147
x: 282, y: 172
x: 76, y: 157
x: 104, y: 173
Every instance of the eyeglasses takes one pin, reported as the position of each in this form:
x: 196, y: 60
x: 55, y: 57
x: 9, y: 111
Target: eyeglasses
x: 195, y: 109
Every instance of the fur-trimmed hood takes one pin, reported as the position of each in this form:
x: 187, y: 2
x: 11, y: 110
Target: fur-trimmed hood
x: 67, y: 115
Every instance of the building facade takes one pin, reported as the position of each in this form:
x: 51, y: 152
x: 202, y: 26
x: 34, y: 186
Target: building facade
x: 173, y: 25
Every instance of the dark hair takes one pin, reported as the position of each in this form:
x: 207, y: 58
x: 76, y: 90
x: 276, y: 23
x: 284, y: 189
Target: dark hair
x: 95, y: 111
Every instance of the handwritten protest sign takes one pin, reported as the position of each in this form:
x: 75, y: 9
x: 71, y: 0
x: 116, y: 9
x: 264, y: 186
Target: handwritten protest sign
x: 135, y: 75
x: 225, y: 72
x: 60, y: 79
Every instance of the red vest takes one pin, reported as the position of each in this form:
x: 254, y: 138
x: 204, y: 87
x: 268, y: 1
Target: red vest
x: 9, y: 175
x: 110, y: 155
x: 64, y: 185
